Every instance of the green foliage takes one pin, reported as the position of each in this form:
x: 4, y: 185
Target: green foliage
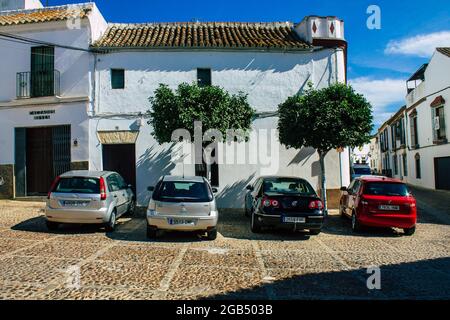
x: 212, y: 105
x: 325, y: 119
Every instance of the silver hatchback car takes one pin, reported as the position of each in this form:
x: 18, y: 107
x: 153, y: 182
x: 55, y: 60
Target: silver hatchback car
x: 182, y: 204
x: 91, y: 197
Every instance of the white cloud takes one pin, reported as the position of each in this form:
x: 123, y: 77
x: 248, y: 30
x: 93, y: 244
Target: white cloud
x: 422, y: 45
x: 382, y: 94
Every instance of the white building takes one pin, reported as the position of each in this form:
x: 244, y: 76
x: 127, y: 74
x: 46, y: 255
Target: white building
x: 414, y: 142
x: 104, y: 90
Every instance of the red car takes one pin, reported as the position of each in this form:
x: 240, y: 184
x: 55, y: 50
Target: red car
x: 379, y: 202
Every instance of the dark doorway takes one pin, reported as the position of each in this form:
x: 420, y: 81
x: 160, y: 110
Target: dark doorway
x: 442, y: 173
x: 121, y: 158
x: 39, y: 160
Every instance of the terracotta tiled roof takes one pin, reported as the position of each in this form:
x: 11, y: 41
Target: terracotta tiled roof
x: 445, y: 51
x: 44, y: 14
x: 202, y: 35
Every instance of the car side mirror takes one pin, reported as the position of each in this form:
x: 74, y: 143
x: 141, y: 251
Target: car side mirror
x: 250, y: 188
x: 215, y: 190
x: 151, y: 189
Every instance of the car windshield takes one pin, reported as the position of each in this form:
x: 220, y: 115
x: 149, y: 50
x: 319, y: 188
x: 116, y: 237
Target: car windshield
x: 386, y: 189
x: 365, y: 171
x: 288, y: 186
x: 186, y: 191
x: 78, y: 185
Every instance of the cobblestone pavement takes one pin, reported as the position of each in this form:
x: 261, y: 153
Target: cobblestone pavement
x: 37, y: 264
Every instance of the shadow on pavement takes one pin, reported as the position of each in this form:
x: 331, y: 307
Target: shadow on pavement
x: 425, y: 279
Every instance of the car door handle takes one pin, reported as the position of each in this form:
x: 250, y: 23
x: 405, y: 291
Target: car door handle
x: 115, y: 196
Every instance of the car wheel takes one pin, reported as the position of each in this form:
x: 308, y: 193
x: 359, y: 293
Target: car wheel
x: 255, y: 226
x: 152, y: 232
x: 356, y: 226
x: 211, y: 234
x: 315, y: 232
x: 409, y: 231
x: 111, y: 225
x: 131, y: 208
x: 52, y: 226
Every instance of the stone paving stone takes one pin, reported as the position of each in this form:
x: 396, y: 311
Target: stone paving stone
x: 9, y: 291
x: 62, y: 249
x: 224, y: 243
x: 25, y: 235
x: 296, y: 245
x: 369, y: 259
x: 9, y: 245
x: 357, y: 244
x: 320, y: 261
x: 140, y: 254
x: 122, y: 275
x: 36, y: 270
x: 220, y: 257
x: 87, y: 293
x: 211, y: 280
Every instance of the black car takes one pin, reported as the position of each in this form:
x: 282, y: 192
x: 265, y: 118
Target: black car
x: 284, y: 202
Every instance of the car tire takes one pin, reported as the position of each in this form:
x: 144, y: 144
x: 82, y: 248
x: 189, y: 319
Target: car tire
x: 131, y: 208
x: 152, y: 232
x: 52, y: 226
x: 356, y: 225
x: 111, y: 225
x: 246, y: 212
x: 409, y: 231
x: 211, y: 234
x: 315, y: 232
x: 254, y: 225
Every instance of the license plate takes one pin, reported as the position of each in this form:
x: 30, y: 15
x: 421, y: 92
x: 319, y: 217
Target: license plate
x: 181, y: 222
x: 70, y: 203
x: 294, y: 220
x: 389, y: 208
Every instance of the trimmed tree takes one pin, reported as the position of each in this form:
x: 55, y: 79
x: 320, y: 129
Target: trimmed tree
x: 213, y: 106
x: 325, y: 119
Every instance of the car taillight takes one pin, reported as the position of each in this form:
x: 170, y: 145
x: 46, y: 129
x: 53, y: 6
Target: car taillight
x: 266, y: 202
x: 315, y: 204
x: 52, y: 188
x: 102, y: 189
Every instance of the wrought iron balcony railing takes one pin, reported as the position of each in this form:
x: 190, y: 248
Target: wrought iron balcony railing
x: 38, y: 84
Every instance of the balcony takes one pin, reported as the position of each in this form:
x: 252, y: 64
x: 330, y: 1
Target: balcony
x: 37, y: 84
x: 415, y: 94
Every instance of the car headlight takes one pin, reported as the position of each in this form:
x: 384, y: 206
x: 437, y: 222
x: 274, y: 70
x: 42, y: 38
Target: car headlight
x: 151, y: 212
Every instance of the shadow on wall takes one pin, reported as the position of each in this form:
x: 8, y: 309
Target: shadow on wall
x: 302, y: 156
x: 151, y: 166
x: 233, y: 196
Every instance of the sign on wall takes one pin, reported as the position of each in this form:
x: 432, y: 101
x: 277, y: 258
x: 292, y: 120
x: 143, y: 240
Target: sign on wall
x: 42, y: 114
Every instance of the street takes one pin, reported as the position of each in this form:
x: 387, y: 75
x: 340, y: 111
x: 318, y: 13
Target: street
x: 85, y: 263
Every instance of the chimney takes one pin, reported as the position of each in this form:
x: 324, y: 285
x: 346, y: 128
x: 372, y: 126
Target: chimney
x: 315, y: 29
x: 6, y: 5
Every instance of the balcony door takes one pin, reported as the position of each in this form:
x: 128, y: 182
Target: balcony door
x: 42, y: 71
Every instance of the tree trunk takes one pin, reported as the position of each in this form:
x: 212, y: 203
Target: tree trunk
x: 323, y: 181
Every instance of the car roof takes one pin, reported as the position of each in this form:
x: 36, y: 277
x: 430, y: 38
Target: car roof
x: 281, y: 177
x: 85, y: 173
x: 379, y: 179
x: 186, y: 178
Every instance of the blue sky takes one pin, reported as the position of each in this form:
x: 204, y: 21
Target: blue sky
x: 379, y: 60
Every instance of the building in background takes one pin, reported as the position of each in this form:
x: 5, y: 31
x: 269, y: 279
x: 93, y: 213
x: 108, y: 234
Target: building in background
x: 413, y: 143
x: 82, y: 100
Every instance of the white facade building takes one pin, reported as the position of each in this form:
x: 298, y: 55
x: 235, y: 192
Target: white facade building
x: 414, y: 142
x: 104, y: 94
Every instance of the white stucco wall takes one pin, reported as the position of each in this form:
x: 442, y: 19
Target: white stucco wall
x: 74, y: 66
x: 73, y: 114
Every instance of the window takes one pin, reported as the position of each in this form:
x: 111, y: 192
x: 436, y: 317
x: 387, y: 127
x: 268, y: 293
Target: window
x: 418, y: 169
x: 386, y: 189
x: 113, y: 183
x: 117, y: 78
x: 394, y: 160
x: 185, y: 191
x: 78, y: 185
x: 214, y: 170
x: 405, y: 165
x: 288, y: 186
x: 414, y: 132
x: 204, y: 77
x: 439, y: 124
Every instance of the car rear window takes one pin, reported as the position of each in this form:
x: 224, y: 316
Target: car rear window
x: 386, y: 189
x: 362, y: 171
x: 78, y: 185
x: 185, y: 191
x: 288, y: 186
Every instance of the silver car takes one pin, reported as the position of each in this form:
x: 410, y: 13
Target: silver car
x: 182, y: 204
x: 91, y: 197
